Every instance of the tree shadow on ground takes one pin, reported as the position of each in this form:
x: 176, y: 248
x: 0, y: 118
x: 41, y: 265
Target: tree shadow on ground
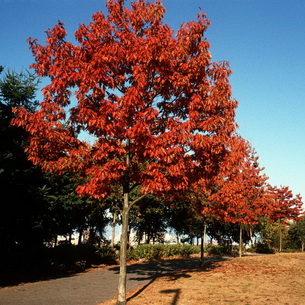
x: 174, y: 269
x: 176, y: 293
x: 13, y: 276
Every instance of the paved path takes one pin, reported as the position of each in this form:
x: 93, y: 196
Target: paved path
x: 91, y: 287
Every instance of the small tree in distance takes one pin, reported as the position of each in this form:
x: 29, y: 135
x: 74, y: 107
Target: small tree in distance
x: 159, y: 109
x: 287, y: 207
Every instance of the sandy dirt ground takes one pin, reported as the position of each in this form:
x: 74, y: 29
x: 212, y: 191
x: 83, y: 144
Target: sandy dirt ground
x: 267, y: 279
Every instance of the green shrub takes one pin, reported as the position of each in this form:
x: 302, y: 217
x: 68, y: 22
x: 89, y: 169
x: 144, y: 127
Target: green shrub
x: 107, y: 255
x: 264, y: 248
x: 218, y: 250
x: 75, y: 258
x: 288, y: 250
x: 158, y: 251
x: 145, y: 252
x: 186, y: 250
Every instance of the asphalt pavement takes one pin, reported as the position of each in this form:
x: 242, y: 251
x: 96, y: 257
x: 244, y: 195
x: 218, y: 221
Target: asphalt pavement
x: 92, y: 287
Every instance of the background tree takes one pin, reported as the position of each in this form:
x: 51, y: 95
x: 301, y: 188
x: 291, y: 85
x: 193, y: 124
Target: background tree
x: 20, y: 181
x: 239, y: 195
x: 114, y: 202
x: 150, y: 220
x: 70, y: 213
x: 180, y: 219
x: 159, y: 108
x: 36, y: 207
x: 296, y: 233
x: 225, y: 233
x: 287, y: 207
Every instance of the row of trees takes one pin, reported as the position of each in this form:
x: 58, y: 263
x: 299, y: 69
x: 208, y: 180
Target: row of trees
x: 160, y: 118
x: 49, y: 204
x: 38, y: 206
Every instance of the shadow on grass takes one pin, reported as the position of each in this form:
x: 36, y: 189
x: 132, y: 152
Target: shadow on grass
x: 176, y: 293
x: 173, y: 269
x: 142, y: 289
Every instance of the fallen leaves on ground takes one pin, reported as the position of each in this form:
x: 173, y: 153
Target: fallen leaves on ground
x: 254, y: 280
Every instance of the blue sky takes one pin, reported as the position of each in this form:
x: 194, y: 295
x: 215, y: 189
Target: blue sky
x: 264, y: 41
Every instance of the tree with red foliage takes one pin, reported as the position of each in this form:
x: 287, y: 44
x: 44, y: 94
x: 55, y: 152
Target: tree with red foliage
x: 287, y: 206
x: 159, y: 110
x: 241, y: 196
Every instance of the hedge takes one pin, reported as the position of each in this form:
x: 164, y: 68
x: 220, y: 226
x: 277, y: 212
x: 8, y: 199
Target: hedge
x: 158, y: 251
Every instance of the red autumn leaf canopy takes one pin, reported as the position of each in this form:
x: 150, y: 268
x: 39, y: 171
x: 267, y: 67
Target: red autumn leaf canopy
x: 239, y: 194
x: 139, y: 90
x: 286, y: 205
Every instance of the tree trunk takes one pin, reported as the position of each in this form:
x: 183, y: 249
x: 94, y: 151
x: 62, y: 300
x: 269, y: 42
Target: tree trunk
x: 123, y: 252
x: 303, y: 244
x: 81, y: 230
x: 92, y: 235
x: 113, y: 230
x: 147, y: 238
x: 80, y: 238
x: 128, y: 240
x: 281, y: 238
x: 251, y: 236
x: 124, y: 235
x: 55, y: 240
x: 203, y: 243
x: 240, y: 240
x: 70, y: 238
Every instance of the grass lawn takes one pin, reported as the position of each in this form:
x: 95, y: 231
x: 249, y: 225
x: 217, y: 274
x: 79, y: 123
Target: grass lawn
x: 267, y: 279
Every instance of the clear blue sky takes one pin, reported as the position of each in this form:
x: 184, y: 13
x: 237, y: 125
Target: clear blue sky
x: 264, y: 41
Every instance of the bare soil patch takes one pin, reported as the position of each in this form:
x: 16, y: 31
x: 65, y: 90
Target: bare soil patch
x: 258, y: 280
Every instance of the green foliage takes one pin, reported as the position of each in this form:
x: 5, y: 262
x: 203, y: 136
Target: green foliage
x: 270, y: 233
x: 296, y: 234
x: 35, y: 207
x: 69, y: 212
x: 264, y: 248
x: 22, y: 213
x: 19, y: 89
x: 107, y: 255
x: 74, y: 258
x: 184, y: 219
x: 149, y: 219
x: 293, y: 236
x: 145, y: 252
x: 218, y: 250
x: 158, y: 251
x: 226, y: 233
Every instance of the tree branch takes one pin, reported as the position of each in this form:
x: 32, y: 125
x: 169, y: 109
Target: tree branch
x: 137, y: 200
x: 134, y: 186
